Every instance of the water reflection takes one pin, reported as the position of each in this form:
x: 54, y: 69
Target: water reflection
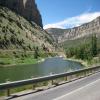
x: 51, y: 65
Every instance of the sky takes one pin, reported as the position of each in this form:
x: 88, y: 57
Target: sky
x: 67, y: 13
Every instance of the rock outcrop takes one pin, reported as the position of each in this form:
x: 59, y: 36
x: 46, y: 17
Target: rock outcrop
x: 26, y: 8
x: 61, y: 35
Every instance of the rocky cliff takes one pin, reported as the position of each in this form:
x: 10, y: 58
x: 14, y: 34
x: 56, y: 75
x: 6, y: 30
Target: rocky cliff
x: 61, y: 35
x: 26, y: 8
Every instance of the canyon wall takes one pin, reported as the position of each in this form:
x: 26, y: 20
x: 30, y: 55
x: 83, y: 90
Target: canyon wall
x: 26, y: 8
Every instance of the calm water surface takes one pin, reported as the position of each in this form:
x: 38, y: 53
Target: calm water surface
x: 51, y: 65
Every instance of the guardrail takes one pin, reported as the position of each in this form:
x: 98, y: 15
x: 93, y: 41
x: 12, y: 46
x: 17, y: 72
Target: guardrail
x: 77, y: 74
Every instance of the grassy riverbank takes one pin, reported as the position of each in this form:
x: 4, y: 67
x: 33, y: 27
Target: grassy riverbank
x: 78, y: 60
x: 87, y: 63
x: 11, y: 58
x: 4, y: 62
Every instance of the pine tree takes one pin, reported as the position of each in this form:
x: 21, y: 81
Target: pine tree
x: 36, y: 53
x: 94, y: 45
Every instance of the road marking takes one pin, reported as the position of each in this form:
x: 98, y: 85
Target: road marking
x: 61, y: 97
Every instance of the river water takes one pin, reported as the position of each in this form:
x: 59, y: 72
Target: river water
x: 54, y: 65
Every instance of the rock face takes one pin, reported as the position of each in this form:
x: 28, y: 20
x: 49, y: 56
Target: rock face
x: 61, y: 35
x: 26, y: 8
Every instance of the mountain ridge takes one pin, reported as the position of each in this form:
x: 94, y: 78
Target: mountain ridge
x: 62, y: 35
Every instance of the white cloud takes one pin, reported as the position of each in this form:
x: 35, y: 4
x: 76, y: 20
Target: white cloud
x: 74, y: 21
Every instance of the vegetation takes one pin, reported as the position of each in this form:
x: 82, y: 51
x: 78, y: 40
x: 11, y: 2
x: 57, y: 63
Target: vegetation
x: 94, y: 45
x: 88, y: 50
x: 9, y: 57
x: 36, y: 53
x: 16, y: 57
x: 20, y: 40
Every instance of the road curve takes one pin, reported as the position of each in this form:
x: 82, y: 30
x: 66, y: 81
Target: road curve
x: 87, y: 88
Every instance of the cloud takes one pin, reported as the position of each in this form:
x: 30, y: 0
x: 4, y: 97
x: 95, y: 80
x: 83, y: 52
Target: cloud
x: 74, y: 21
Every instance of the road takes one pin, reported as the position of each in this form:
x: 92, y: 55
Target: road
x: 83, y: 89
x: 88, y: 92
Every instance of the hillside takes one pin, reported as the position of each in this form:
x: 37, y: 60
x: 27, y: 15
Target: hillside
x: 61, y: 35
x: 18, y: 33
x: 81, y: 42
x: 18, y: 36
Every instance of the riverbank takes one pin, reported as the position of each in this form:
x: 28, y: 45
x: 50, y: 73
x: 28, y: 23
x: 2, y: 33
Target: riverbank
x: 91, y: 63
x: 85, y: 63
x: 6, y: 62
x: 9, y: 58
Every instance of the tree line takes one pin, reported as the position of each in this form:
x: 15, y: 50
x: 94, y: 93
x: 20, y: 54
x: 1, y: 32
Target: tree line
x: 85, y: 51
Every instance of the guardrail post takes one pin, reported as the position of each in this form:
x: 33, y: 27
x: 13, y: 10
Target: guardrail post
x: 52, y: 82
x: 52, y: 79
x: 66, y: 78
x: 33, y: 86
x: 89, y: 72
x: 85, y: 73
x: 93, y: 71
x: 8, y: 90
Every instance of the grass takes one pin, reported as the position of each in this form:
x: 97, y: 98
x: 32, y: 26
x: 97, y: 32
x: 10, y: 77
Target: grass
x: 94, y: 62
x: 8, y: 58
x: 17, y: 61
x: 87, y: 63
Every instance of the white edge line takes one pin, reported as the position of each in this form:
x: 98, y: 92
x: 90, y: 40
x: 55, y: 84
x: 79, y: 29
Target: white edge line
x: 61, y: 97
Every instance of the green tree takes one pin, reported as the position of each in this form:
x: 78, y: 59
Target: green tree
x: 36, y: 52
x: 94, y: 45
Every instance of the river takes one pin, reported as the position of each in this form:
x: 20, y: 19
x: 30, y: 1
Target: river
x: 50, y: 65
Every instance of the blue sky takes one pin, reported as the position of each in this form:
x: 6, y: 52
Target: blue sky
x: 67, y: 13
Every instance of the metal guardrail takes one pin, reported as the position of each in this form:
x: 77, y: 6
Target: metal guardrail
x: 9, y: 85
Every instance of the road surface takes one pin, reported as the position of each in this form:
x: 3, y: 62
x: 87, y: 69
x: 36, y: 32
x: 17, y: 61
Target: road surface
x: 83, y: 89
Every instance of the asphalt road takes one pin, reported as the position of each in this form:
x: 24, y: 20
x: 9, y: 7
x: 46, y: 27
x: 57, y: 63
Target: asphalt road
x: 88, y: 92
x: 83, y: 89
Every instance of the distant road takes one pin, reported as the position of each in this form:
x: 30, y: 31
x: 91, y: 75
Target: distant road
x: 83, y: 89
